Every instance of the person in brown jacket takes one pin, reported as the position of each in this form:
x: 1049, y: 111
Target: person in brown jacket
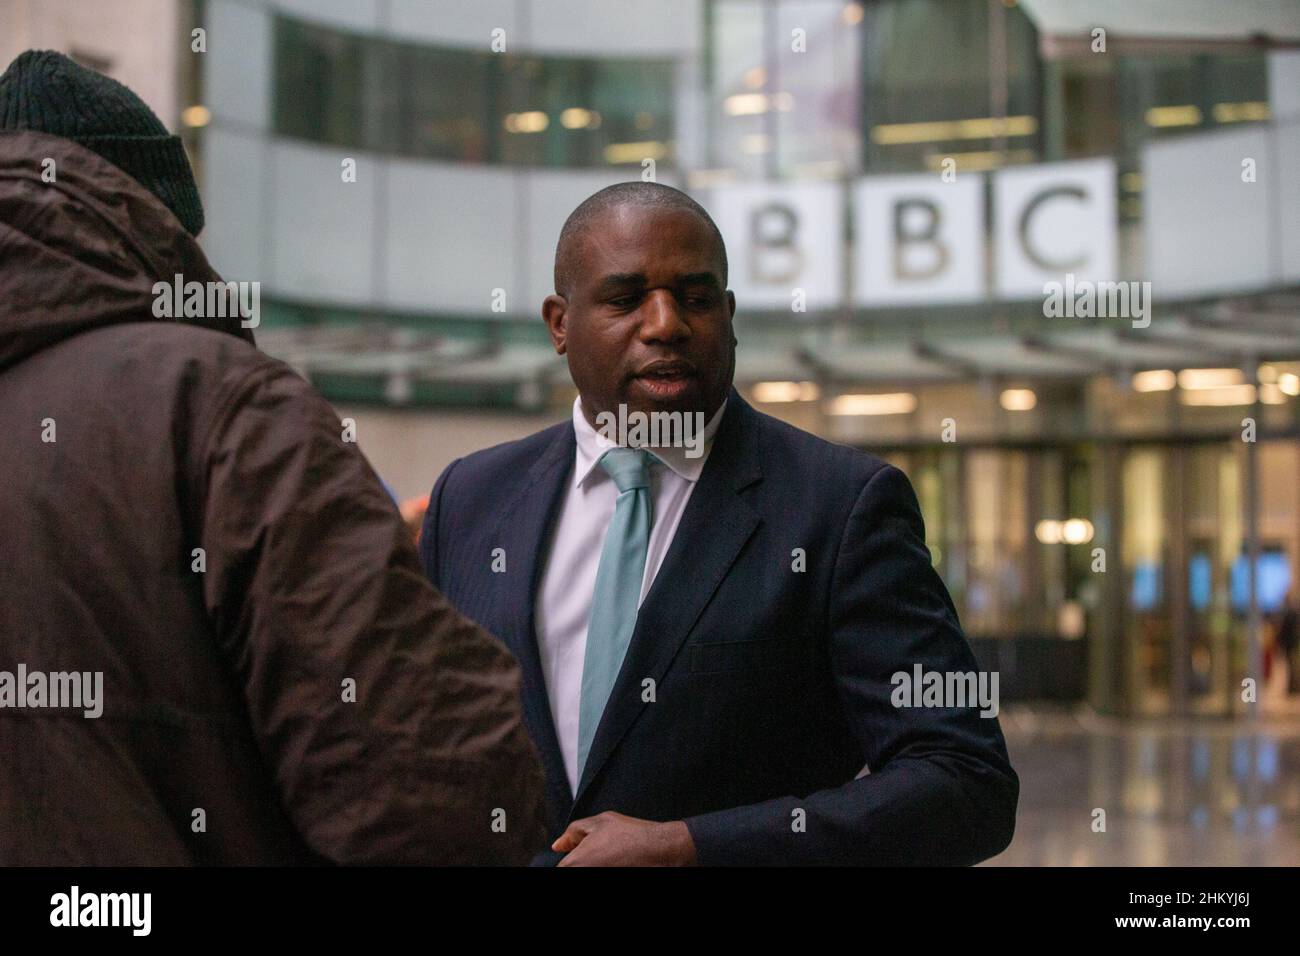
x: 216, y: 643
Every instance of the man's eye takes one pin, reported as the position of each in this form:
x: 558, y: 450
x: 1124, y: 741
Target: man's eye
x: 623, y: 301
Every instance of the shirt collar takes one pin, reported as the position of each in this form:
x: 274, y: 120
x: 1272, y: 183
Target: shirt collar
x: 592, y: 444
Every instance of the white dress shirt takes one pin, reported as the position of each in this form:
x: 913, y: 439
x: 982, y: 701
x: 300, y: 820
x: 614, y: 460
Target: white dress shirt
x: 569, y: 574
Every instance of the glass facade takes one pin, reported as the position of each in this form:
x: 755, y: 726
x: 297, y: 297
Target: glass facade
x: 468, y: 105
x: 1175, y: 576
x: 980, y: 92
x: 1096, y: 518
x: 1112, y: 106
x: 975, y: 92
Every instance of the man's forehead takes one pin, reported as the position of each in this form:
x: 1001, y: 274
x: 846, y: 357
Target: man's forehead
x: 629, y: 239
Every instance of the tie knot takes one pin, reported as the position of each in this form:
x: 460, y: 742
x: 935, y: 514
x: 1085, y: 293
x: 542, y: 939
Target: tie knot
x: 629, y: 467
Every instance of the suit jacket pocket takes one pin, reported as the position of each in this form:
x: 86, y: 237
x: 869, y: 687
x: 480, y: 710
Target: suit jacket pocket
x: 766, y: 654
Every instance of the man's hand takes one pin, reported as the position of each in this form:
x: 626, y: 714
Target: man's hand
x: 612, y: 839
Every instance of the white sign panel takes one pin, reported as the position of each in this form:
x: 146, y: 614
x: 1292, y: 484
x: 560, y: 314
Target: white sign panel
x: 1207, y: 206
x: 919, y: 239
x: 785, y: 243
x: 1051, y: 221
x: 1286, y: 138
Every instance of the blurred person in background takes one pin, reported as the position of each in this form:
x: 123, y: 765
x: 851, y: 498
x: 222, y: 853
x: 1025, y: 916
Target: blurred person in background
x: 413, y: 510
x: 1287, y: 640
x: 182, y: 517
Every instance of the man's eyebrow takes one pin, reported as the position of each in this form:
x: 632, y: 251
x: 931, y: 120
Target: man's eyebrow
x: 619, y: 280
x: 700, y: 278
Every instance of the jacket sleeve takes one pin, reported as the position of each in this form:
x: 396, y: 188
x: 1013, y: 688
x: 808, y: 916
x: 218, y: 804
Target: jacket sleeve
x: 940, y: 789
x: 391, y: 725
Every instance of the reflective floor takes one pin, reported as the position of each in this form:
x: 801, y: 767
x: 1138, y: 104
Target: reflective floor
x: 1196, y: 792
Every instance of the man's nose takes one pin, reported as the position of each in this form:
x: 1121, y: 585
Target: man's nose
x: 661, y: 318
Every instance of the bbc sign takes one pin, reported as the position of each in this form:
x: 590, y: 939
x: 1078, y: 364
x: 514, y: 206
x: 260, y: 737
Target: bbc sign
x: 918, y: 239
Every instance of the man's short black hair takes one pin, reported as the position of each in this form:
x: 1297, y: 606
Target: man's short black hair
x: 635, y: 193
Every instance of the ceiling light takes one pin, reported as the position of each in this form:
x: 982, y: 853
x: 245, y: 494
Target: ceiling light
x: 887, y: 403
x: 1163, y: 116
x: 1018, y: 399
x: 786, y: 392
x: 1197, y: 378
x: 1155, y: 380
x: 533, y: 121
x: 1219, y: 397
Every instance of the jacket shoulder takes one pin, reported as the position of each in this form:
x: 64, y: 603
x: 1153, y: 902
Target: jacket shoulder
x: 805, y: 457
x: 156, y: 348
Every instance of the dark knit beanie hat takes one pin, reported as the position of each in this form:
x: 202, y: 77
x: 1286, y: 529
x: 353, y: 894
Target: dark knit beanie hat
x: 47, y: 92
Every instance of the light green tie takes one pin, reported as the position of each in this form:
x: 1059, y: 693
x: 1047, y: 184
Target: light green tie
x: 618, y: 588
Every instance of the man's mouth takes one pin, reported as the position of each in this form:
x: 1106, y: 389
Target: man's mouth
x: 666, y: 380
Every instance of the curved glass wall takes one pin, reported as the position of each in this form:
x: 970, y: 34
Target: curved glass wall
x: 469, y: 106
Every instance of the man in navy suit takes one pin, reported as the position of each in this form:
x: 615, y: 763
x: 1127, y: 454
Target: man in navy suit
x: 723, y: 632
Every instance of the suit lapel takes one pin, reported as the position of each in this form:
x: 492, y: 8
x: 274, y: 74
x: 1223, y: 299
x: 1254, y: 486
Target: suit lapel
x: 522, y: 532
x: 714, y: 527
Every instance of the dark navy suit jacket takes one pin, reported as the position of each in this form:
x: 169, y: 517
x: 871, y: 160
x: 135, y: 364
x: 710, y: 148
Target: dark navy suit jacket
x: 771, y: 673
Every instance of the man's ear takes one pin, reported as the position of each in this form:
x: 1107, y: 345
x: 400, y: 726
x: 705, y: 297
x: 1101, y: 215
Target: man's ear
x: 555, y: 311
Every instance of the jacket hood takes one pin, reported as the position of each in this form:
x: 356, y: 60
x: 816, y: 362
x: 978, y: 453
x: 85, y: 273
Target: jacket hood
x: 85, y: 249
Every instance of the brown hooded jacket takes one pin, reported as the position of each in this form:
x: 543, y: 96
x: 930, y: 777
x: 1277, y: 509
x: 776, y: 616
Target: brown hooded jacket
x: 180, y: 514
